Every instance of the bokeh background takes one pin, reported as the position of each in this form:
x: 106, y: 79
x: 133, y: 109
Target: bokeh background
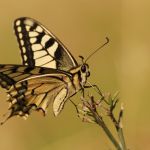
x: 123, y: 65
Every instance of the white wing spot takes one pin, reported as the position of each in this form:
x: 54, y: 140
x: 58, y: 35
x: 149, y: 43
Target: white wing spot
x: 33, y: 40
x: 45, y: 39
x: 51, y: 50
x: 28, y: 22
x: 25, y: 57
x: 36, y: 47
x: 20, y: 35
x: 22, y: 42
x: 23, y: 49
x: 33, y: 34
x: 42, y: 60
x: 19, y: 29
x: 18, y: 23
x: 39, y: 29
x: 38, y: 54
x: 59, y: 101
x: 51, y: 64
x: 27, y: 28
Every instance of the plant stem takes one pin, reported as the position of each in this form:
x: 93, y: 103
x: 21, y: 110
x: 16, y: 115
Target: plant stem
x: 121, y: 137
x: 102, y: 124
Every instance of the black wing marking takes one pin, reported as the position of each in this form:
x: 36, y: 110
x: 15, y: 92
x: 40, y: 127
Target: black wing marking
x: 33, y: 89
x: 39, y: 47
x: 10, y: 74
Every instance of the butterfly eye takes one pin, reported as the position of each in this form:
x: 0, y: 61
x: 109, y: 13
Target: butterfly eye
x: 83, y: 68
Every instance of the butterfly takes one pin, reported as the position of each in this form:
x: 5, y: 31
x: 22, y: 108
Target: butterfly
x: 48, y: 74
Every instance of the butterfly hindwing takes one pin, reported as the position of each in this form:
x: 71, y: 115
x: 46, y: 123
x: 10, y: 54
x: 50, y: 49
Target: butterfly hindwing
x: 39, y: 47
x: 34, y: 88
x: 37, y: 95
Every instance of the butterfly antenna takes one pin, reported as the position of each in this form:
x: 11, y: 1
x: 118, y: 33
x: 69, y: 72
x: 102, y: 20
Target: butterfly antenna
x: 82, y: 58
x: 107, y: 41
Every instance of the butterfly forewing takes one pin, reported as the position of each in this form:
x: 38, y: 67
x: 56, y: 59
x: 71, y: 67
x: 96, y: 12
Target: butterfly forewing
x: 11, y: 74
x: 49, y: 72
x: 39, y: 47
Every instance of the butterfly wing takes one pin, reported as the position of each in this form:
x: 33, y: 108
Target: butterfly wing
x: 34, y: 88
x: 38, y: 94
x: 11, y: 74
x: 39, y: 47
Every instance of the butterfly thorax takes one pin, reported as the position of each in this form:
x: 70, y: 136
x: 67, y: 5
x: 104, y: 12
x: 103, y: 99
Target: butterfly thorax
x: 80, y: 75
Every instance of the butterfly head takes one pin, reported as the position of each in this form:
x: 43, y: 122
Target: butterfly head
x: 84, y: 71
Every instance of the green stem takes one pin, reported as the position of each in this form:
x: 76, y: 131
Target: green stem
x: 102, y: 124
x: 121, y: 137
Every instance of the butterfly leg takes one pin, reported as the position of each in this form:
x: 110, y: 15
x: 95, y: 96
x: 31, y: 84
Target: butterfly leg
x: 81, y: 111
x: 95, y: 87
x: 75, y: 105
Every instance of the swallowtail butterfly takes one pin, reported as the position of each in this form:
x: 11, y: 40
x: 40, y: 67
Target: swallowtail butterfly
x: 49, y: 72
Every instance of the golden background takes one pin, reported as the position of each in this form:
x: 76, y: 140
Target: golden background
x: 123, y: 65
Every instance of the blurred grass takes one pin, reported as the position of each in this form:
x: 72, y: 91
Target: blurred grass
x: 122, y: 65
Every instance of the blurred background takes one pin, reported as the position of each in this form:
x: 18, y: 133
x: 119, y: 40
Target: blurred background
x: 123, y: 65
